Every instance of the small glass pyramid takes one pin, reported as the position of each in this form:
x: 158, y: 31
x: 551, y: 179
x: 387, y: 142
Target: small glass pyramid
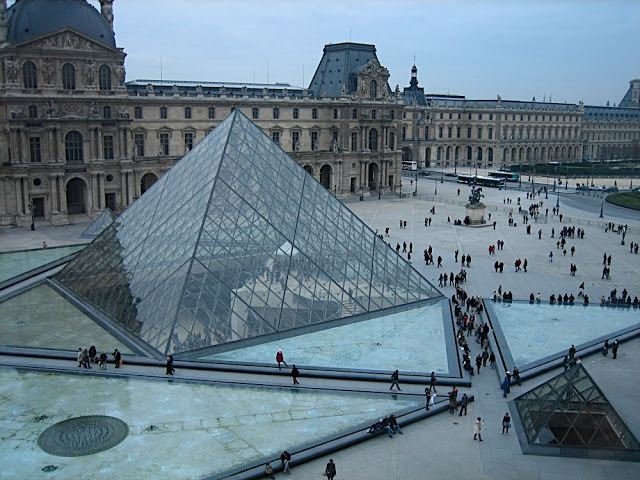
x: 570, y: 410
x: 97, y: 227
x: 237, y: 241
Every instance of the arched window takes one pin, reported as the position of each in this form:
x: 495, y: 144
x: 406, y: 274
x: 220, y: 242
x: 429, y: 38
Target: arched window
x: 187, y: 112
x: 68, y: 77
x: 373, y: 140
x: 456, y: 154
x: 106, y: 111
x: 439, y: 155
x: 479, y: 154
x: 448, y: 156
x: 163, y: 112
x: 276, y: 113
x: 73, y: 147
x: 392, y: 140
x: 469, y: 153
x: 104, y: 77
x: 373, y: 88
x: 33, y: 111
x: 137, y: 112
x: 314, y: 114
x: 296, y: 113
x: 490, y: 155
x: 30, y: 75
x: 255, y: 113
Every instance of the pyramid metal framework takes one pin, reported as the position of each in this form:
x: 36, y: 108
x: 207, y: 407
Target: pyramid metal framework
x: 234, y: 242
x: 97, y: 227
x: 570, y: 410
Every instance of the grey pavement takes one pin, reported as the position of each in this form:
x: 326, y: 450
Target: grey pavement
x: 442, y: 445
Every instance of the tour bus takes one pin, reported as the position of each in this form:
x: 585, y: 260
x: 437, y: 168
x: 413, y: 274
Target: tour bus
x: 508, y: 176
x: 482, y: 181
x: 410, y: 165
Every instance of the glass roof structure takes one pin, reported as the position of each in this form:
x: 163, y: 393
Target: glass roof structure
x: 237, y: 241
x: 570, y: 410
x: 103, y: 221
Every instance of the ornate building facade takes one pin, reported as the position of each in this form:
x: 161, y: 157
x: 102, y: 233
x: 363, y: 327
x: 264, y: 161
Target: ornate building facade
x: 78, y: 138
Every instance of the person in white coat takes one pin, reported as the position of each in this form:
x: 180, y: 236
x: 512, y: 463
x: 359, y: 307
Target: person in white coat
x: 477, y: 429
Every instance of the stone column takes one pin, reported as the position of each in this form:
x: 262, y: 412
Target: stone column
x: 101, y: 191
x: 53, y: 180
x: 93, y: 187
x: 99, y: 144
x: 3, y: 199
x: 123, y: 189
x: 25, y: 194
x: 136, y: 184
x: 62, y: 190
x: 56, y: 148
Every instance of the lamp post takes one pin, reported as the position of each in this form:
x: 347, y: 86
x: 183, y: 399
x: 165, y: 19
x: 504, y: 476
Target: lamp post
x: 558, y: 199
x: 435, y: 186
x: 602, y: 205
x: 455, y: 167
x: 546, y: 188
x: 442, y: 174
x: 566, y: 184
x: 362, y: 192
x: 32, y: 207
x: 415, y: 192
x: 400, y: 188
x: 379, y: 189
x: 335, y: 190
x: 520, y: 176
x: 533, y: 179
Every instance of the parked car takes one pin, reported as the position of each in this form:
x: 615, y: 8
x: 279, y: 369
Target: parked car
x: 612, y: 190
x: 423, y: 174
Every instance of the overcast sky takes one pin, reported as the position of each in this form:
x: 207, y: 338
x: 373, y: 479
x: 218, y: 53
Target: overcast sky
x: 573, y: 50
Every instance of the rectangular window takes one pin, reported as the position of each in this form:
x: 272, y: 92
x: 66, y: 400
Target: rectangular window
x: 275, y: 136
x: 490, y: 133
x: 426, y: 132
x: 188, y: 141
x: 314, y: 140
x: 187, y: 112
x: 449, y: 131
x: 354, y: 141
x: 212, y: 113
x: 392, y: 140
x: 458, y: 132
x: 479, y: 116
x: 314, y: 114
x: 469, y: 132
x: 404, y: 132
x: 491, y: 116
x: 35, y: 150
x: 107, y: 147
x: 479, y: 132
x: 440, y: 116
x: 469, y: 116
x: 164, y: 144
x: 295, y: 141
x: 138, y: 144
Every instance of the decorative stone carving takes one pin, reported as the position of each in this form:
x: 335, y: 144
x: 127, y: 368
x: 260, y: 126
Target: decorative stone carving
x: 120, y: 73
x: 90, y: 72
x: 47, y: 71
x: 374, y: 68
x: 11, y: 68
x: 149, y: 89
x: 106, y: 9
x: 122, y: 112
x: 343, y: 92
x: 174, y: 90
x: 53, y: 110
x: 199, y: 90
x: 244, y: 90
x: 93, y: 109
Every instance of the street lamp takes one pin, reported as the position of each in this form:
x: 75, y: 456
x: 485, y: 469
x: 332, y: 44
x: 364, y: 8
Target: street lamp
x: 415, y: 192
x: 400, y: 188
x: 362, y: 192
x: 442, y: 174
x: 32, y: 207
x: 546, y: 188
x: 533, y: 179
x: 379, y: 189
x: 335, y: 190
x: 435, y: 187
x: 602, y: 205
x: 455, y: 167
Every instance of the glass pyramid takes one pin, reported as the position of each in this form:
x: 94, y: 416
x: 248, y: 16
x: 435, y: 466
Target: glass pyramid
x: 97, y: 227
x: 570, y: 410
x: 237, y: 241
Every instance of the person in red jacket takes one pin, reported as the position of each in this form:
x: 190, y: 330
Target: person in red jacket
x: 280, y: 359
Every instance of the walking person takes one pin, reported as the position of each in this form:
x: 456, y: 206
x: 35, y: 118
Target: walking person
x: 492, y: 361
x: 280, y: 359
x: 394, y: 380
x: 85, y: 359
x: 170, y: 369
x: 103, y: 360
x: 80, y: 357
x: 506, y: 423
x: 430, y: 398
x: 432, y: 382
x: 478, y: 362
x: 464, y: 401
x: 295, y: 373
x: 477, y: 429
x: 614, y: 349
x: 117, y: 358
x: 330, y: 471
x: 92, y: 354
x: 505, y: 387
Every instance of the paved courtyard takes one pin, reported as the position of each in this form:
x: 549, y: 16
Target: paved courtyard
x: 441, y: 445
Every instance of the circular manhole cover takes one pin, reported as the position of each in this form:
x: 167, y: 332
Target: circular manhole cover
x: 83, y: 436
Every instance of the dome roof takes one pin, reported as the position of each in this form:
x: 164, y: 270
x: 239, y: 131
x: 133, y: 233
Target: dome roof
x: 32, y: 18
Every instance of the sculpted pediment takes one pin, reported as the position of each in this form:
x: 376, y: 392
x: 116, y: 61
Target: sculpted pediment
x: 67, y: 39
x: 374, y: 68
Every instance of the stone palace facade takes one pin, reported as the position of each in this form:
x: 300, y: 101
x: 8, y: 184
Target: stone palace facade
x: 78, y: 138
